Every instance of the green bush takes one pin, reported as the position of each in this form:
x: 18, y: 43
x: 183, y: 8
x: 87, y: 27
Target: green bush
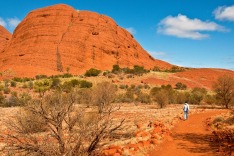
x: 6, y: 90
x: 17, y: 79
x: 25, y: 85
x: 30, y: 84
x: 180, y: 86
x: 116, y: 69
x: 143, y: 98
x: 67, y: 75
x: 13, y: 84
x: 40, y: 77
x: 2, y: 100
x: 56, y: 82
x: 218, y: 119
x: 210, y: 99
x: 85, y: 84
x: 92, y: 72
x: 42, y: 86
x: 1, y: 87
x: 123, y: 86
x: 197, y: 95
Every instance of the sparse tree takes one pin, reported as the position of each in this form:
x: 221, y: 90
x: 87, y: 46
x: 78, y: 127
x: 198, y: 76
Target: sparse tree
x: 65, y: 129
x: 161, y: 98
x: 104, y: 95
x: 224, y: 88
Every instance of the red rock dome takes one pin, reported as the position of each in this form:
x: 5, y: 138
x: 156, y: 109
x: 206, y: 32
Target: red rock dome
x: 52, y: 39
x: 5, y: 37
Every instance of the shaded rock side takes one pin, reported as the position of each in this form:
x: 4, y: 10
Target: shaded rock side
x: 52, y: 39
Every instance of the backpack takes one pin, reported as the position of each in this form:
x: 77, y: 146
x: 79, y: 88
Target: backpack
x: 185, y: 108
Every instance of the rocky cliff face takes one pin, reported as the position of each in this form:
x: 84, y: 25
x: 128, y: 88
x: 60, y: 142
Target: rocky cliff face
x: 5, y: 37
x: 53, y: 39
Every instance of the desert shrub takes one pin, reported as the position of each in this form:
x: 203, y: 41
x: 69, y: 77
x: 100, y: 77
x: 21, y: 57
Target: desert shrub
x: 210, y: 99
x: 180, y: 86
x: 84, y: 95
x: 176, y: 69
x: 17, y: 79
x: 130, y: 76
x: 69, y: 85
x: 123, y: 86
x: 104, y: 94
x: 13, y: 84
x: 67, y: 75
x: 218, y: 119
x: 230, y: 120
x: 126, y: 97
x: 42, y: 86
x: 13, y: 100
x: 6, y: 90
x: 74, y: 82
x: 69, y: 130
x: 139, y: 86
x: 1, y: 87
x: 146, y: 86
x: 30, y: 84
x: 156, y: 68
x: 225, y: 140
x: 137, y: 70
x: 116, y: 69
x: 181, y: 97
x: 161, y: 98
x: 110, y: 76
x: 132, y: 86
x: 154, y: 91
x: 2, y: 100
x: 25, y: 85
x: 40, y: 77
x: 6, y: 83
x: 26, y: 79
x: 56, y: 82
x: 92, y: 72
x: 143, y: 98
x: 85, y: 84
x: 25, y: 97
x: 197, y: 95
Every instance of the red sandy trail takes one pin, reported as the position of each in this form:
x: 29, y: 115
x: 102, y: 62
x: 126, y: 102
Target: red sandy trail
x: 189, y: 138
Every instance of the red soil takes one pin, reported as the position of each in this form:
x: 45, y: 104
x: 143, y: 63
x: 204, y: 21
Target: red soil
x: 190, y: 138
x: 200, y: 77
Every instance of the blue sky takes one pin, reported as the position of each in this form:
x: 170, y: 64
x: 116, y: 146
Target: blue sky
x: 190, y: 33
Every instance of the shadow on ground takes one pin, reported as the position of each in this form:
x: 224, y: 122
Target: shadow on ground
x: 200, y: 143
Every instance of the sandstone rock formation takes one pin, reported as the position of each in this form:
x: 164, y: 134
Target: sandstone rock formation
x: 53, y: 39
x: 5, y: 36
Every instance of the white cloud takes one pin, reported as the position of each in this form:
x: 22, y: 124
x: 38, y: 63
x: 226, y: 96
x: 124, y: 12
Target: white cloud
x: 9, y: 23
x: 131, y: 30
x: 183, y: 27
x: 2, y: 22
x: 13, y: 22
x: 224, y: 13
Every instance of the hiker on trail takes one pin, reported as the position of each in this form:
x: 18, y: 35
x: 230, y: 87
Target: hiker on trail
x: 186, y: 110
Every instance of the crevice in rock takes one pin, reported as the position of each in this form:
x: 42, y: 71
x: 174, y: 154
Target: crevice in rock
x: 58, y: 55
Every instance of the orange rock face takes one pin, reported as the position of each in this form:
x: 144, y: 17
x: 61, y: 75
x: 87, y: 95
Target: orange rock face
x: 53, y: 39
x: 5, y: 36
